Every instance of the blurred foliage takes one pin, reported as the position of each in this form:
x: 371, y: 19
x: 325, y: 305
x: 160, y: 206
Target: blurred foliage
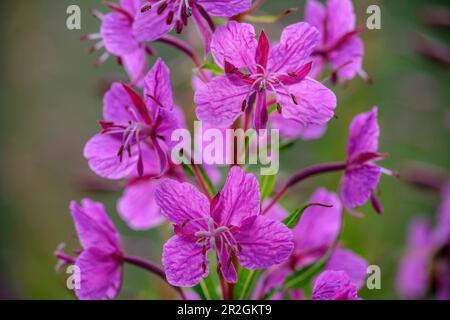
x: 51, y: 97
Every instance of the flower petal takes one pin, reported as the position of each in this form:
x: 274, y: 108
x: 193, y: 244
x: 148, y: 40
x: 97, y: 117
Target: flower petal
x: 157, y: 85
x: 294, y: 50
x: 264, y: 243
x: 94, y: 228
x: 183, y: 261
x: 318, y: 227
x: 315, y: 102
x: 291, y: 129
x: 347, y: 59
x: 203, y: 28
x: 349, y: 262
x: 358, y: 184
x: 238, y: 200
x: 334, y: 285
x: 115, y: 103
x: 100, y: 275
x: 341, y: 19
x: 138, y: 207
x: 150, y: 26
x: 236, y: 43
x: 131, y: 6
x: 364, y: 134
x: 135, y: 65
x: 277, y: 212
x: 315, y: 14
x: 220, y: 102
x: 117, y: 35
x: 101, y: 152
x: 225, y: 8
x: 180, y: 202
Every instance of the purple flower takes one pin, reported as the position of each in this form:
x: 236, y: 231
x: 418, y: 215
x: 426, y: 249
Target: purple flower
x: 117, y: 38
x: 339, y: 43
x: 230, y: 224
x: 100, y: 262
x: 354, y: 266
x: 414, y: 271
x: 334, y: 285
x: 255, y: 70
x: 159, y: 17
x: 135, y: 138
x: 362, y: 174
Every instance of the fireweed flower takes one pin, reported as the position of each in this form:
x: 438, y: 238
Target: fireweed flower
x: 159, y: 17
x: 362, y: 174
x: 101, y: 259
x: 117, y: 38
x: 339, y: 42
x: 230, y: 224
x: 334, y: 285
x: 255, y: 70
x: 135, y: 138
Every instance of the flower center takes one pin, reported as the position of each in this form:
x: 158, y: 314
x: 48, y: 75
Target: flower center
x: 179, y: 11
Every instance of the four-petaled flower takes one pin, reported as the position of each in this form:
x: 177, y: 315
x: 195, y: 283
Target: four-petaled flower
x: 230, y: 224
x: 339, y: 43
x: 136, y: 133
x: 334, y: 285
x: 116, y: 36
x: 362, y: 174
x: 255, y: 71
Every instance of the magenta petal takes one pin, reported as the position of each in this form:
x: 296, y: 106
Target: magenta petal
x: 157, y: 87
x: 341, y: 19
x: 101, y: 152
x: 315, y: 102
x: 239, y: 198
x: 220, y: 102
x: 131, y: 6
x: 226, y: 265
x: 358, y: 183
x: 115, y: 103
x: 274, y: 277
x: 294, y: 50
x: 117, y: 35
x: 291, y: 129
x: 236, y: 43
x: 364, y: 133
x: 94, y: 228
x: 334, y: 285
x: 318, y: 228
x: 135, y: 65
x: 180, y: 202
x: 277, y: 212
x: 150, y: 26
x: 347, y: 59
x: 264, y: 243
x: 138, y: 207
x: 100, y: 275
x: 184, y: 262
x: 349, y: 262
x: 315, y: 14
x: 225, y: 8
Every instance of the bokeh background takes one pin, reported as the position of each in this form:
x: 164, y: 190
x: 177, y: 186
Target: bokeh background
x: 51, y: 98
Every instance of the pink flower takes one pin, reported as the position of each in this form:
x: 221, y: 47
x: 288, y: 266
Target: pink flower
x: 159, y: 17
x: 117, y: 37
x: 362, y: 174
x: 339, y: 43
x: 135, y: 138
x: 281, y: 70
x: 100, y: 262
x: 230, y: 224
x: 354, y: 266
x: 334, y: 285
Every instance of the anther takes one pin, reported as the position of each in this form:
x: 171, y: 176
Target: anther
x: 239, y: 247
x: 179, y: 27
x: 204, y: 266
x: 294, y: 99
x: 292, y: 74
x: 161, y: 8
x: 219, y: 268
x: 204, y: 249
x: 279, y: 109
x: 244, y: 105
x: 146, y: 8
x: 169, y: 19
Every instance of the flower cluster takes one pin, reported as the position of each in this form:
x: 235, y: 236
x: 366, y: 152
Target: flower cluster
x: 250, y: 82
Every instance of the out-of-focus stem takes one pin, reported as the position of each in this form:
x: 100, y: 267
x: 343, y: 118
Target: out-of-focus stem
x: 186, y: 49
x: 149, y: 266
x: 303, y: 175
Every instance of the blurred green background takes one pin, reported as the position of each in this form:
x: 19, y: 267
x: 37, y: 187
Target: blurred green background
x: 51, y: 98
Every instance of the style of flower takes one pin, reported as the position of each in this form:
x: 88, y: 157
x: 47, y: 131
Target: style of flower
x: 340, y: 44
x: 135, y: 138
x: 362, y: 174
x: 116, y: 36
x: 101, y: 259
x: 334, y: 285
x: 230, y: 225
x: 158, y: 17
x: 255, y: 70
